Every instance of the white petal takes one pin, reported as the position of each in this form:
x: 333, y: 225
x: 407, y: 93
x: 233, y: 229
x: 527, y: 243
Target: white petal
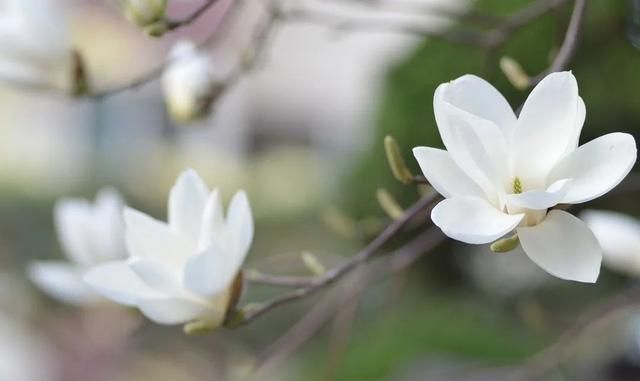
x: 540, y: 200
x: 157, y: 276
x: 186, y: 204
x: 478, y: 97
x: 619, y: 237
x: 240, y: 224
x: 596, y: 167
x: 472, y: 220
x: 107, y: 227
x: 443, y: 173
x: 116, y: 281
x: 62, y: 281
x: 72, y: 219
x: 563, y: 246
x: 171, y: 310
x: 213, y: 225
x: 546, y: 126
x: 476, y: 145
x: 211, y: 272
x: 148, y: 237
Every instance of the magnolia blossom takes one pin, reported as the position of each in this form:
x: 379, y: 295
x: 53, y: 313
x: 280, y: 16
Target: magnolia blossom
x: 35, y: 45
x: 183, y: 270
x: 144, y: 12
x: 619, y: 237
x: 90, y: 234
x: 188, y: 84
x: 503, y: 172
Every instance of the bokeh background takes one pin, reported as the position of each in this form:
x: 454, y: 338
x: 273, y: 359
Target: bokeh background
x: 302, y: 133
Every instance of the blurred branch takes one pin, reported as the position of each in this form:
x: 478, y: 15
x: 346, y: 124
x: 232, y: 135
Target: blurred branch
x: 252, y: 312
x: 175, y: 24
x: 551, y: 358
x: 324, y: 310
x: 569, y: 43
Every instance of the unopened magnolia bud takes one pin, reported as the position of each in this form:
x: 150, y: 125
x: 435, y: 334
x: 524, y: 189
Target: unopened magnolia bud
x: 389, y: 204
x: 188, y: 84
x: 144, y: 13
x: 398, y: 167
x: 514, y: 73
x: 506, y: 244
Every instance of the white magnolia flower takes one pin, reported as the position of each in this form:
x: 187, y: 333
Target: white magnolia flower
x: 90, y: 234
x: 183, y: 270
x: 144, y: 12
x: 501, y: 172
x: 35, y: 44
x: 619, y: 237
x: 188, y: 83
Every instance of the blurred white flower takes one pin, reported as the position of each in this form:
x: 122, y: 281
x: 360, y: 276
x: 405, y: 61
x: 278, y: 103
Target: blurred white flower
x: 23, y: 355
x: 619, y: 237
x: 90, y: 234
x: 183, y: 270
x: 35, y: 45
x: 144, y: 12
x: 188, y: 83
x: 501, y: 172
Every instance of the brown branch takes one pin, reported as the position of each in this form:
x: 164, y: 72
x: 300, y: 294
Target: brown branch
x: 252, y: 312
x: 569, y: 44
x: 324, y: 310
x: 176, y: 24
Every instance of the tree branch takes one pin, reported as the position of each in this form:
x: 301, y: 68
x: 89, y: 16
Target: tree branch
x: 176, y: 24
x: 423, y: 205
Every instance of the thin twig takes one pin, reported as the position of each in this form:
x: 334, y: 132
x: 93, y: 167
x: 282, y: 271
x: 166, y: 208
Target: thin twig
x: 332, y: 275
x: 569, y: 43
x: 324, y: 310
x: 175, y: 24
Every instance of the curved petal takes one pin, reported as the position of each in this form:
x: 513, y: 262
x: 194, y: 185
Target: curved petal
x: 443, y: 173
x: 546, y: 126
x: 148, y: 237
x: 478, y: 97
x: 596, y: 167
x: 61, y: 281
x: 171, y: 310
x: 186, y: 203
x: 72, y: 219
x: 159, y: 277
x: 240, y: 224
x: 540, y: 200
x: 107, y: 226
x: 563, y: 246
x: 619, y: 237
x: 476, y: 145
x: 473, y: 220
x: 116, y: 281
x: 213, y: 224
x: 211, y: 272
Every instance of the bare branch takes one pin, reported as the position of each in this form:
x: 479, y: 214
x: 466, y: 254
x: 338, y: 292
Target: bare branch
x: 569, y: 44
x: 176, y: 24
x: 331, y: 276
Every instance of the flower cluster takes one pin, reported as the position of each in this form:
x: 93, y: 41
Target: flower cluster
x: 186, y: 270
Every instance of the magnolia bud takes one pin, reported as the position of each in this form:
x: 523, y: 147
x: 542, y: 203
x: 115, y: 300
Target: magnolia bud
x: 144, y: 13
x: 188, y: 84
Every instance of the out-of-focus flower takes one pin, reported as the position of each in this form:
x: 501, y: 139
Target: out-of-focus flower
x: 35, y: 45
x: 501, y: 172
x: 90, y: 234
x: 188, y: 83
x: 23, y: 356
x: 619, y: 237
x: 185, y: 270
x: 144, y: 13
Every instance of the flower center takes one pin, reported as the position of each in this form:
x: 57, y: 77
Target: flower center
x: 517, y: 186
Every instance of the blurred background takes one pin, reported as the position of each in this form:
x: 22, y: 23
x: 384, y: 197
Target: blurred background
x: 302, y: 132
